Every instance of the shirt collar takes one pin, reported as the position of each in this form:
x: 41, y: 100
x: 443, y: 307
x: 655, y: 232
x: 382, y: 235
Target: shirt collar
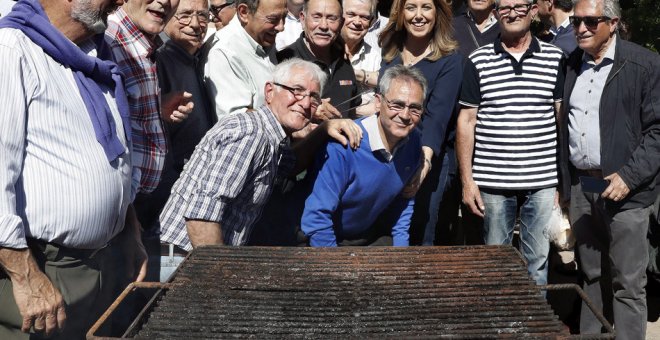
x: 534, y: 46
x: 290, y: 16
x: 179, y: 52
x: 376, y: 144
x: 236, y: 26
x: 556, y: 30
x: 149, y: 45
x: 586, y: 57
x: 491, y: 20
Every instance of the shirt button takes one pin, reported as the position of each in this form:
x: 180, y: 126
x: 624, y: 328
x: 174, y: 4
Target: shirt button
x: 591, y: 81
x: 584, y: 157
x: 583, y: 134
x: 589, y: 91
x: 586, y: 112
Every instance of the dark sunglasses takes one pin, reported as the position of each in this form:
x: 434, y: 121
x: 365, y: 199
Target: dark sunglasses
x: 588, y: 21
x: 216, y: 9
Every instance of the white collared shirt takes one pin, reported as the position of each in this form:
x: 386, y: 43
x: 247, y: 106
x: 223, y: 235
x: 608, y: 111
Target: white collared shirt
x: 368, y: 58
x: 490, y: 22
x: 236, y: 68
x: 291, y: 33
x: 375, y: 140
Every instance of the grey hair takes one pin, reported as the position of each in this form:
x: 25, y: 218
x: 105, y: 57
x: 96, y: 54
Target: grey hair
x: 373, y: 10
x: 251, y: 4
x: 283, y: 71
x: 531, y: 2
x: 402, y: 72
x: 611, y: 8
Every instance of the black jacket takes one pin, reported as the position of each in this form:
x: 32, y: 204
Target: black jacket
x: 629, y: 123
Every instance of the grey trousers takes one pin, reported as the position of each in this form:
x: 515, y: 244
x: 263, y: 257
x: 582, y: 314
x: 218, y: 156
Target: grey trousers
x: 80, y: 277
x: 612, y: 254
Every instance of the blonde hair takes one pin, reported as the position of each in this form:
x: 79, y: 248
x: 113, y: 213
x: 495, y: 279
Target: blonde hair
x: 393, y: 36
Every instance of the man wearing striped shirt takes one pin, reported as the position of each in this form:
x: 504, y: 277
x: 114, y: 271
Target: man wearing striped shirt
x: 231, y: 174
x: 65, y: 178
x: 506, y: 134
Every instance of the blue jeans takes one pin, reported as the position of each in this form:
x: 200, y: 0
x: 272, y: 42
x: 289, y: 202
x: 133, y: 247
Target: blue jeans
x: 535, y: 210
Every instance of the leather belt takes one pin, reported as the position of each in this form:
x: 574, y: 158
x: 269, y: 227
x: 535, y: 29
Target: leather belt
x: 597, y: 173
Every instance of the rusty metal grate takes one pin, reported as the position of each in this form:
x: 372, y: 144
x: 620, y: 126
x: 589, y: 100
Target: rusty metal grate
x: 416, y: 292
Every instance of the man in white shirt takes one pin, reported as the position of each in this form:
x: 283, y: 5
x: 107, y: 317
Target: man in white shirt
x: 364, y: 56
x: 240, y: 59
x: 66, y: 169
x: 292, y: 25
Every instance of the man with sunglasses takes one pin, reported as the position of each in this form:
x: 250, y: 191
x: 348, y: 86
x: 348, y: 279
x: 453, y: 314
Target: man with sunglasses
x: 506, y: 134
x: 222, y: 11
x: 353, y: 197
x: 223, y: 188
x: 610, y: 137
x: 322, y: 21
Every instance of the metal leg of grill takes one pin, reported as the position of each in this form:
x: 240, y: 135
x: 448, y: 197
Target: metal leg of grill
x: 571, y: 286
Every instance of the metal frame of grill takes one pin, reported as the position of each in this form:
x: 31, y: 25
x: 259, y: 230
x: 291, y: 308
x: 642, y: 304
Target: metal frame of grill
x: 366, y: 292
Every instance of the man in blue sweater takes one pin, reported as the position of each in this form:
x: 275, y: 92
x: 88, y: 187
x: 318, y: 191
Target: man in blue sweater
x: 352, y: 189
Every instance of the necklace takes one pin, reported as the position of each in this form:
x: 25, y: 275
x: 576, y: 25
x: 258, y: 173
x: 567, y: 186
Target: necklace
x: 412, y: 60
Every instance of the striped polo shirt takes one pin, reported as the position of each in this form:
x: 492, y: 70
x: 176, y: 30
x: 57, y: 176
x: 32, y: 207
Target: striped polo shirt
x: 515, y: 135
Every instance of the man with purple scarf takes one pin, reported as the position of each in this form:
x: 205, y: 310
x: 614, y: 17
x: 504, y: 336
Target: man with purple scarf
x: 65, y: 175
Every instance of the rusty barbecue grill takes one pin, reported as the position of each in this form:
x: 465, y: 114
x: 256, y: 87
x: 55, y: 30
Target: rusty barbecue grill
x: 258, y: 292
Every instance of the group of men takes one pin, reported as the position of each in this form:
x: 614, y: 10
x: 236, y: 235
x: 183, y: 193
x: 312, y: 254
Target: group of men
x: 108, y: 130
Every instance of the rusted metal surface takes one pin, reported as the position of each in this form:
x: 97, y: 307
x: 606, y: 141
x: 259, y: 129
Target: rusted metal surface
x: 416, y: 292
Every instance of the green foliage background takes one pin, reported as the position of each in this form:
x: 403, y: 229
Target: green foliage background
x: 643, y: 20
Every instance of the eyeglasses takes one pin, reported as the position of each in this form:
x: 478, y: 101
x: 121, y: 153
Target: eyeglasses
x: 588, y: 21
x: 300, y: 94
x: 398, y: 107
x: 186, y: 18
x: 520, y: 9
x: 217, y: 9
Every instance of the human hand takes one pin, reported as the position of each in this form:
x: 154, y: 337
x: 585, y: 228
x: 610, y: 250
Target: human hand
x: 413, y: 185
x: 345, y: 131
x: 472, y: 198
x: 617, y: 190
x: 325, y: 111
x: 176, y: 106
x: 39, y: 303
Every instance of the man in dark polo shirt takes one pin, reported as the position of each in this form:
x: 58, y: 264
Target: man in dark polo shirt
x: 322, y: 21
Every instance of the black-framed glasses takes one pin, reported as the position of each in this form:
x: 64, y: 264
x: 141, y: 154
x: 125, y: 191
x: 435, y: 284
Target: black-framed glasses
x: 300, y: 94
x: 520, y: 9
x: 217, y: 9
x: 589, y: 21
x: 186, y: 18
x: 398, y: 107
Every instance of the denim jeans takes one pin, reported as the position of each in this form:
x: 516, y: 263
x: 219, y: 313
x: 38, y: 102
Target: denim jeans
x: 535, y: 210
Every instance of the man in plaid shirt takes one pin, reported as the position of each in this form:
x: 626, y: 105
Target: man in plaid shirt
x: 133, y: 36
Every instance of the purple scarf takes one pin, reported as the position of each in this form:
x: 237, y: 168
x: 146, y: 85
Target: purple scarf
x: 29, y: 17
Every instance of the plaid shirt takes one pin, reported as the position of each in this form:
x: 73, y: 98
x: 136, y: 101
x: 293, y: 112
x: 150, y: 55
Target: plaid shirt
x: 229, y: 177
x: 133, y: 52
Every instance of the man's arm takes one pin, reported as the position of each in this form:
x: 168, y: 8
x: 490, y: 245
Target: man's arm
x: 202, y: 233
x: 344, y: 131
x: 329, y: 178
x: 644, y: 162
x: 401, y: 229
x: 467, y: 121
x: 39, y: 302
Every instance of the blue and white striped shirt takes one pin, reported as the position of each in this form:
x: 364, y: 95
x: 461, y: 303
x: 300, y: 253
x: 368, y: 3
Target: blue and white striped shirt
x: 56, y: 183
x: 229, y: 177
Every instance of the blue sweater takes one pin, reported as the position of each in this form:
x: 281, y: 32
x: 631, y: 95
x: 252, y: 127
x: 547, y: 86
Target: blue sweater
x: 444, y: 77
x: 351, y: 188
